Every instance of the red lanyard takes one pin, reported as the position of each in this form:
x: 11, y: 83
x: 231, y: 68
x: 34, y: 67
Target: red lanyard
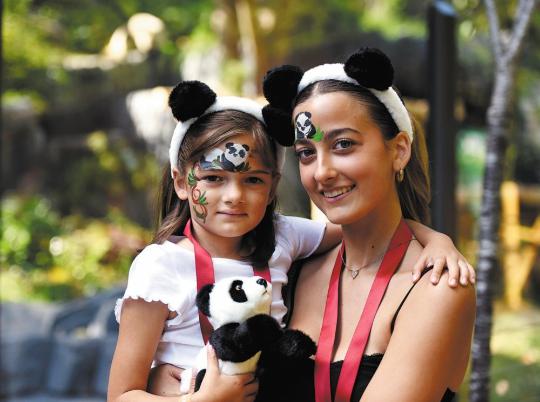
x: 204, y: 269
x: 391, y: 260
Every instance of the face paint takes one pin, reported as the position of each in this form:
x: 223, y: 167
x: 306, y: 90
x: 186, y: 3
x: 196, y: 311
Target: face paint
x: 197, y: 198
x: 232, y: 159
x: 304, y: 128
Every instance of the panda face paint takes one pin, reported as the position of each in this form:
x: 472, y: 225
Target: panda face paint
x: 233, y: 158
x: 228, y: 190
x: 304, y: 128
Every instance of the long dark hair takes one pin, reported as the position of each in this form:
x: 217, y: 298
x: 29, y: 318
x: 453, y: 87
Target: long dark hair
x: 206, y: 133
x: 414, y: 191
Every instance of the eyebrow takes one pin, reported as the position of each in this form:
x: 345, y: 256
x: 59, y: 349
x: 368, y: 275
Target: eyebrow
x: 330, y: 135
x: 258, y: 171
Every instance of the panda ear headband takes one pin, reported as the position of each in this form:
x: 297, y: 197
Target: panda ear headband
x: 369, y: 68
x: 190, y: 100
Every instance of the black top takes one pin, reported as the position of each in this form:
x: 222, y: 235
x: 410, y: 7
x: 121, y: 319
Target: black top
x: 301, y: 384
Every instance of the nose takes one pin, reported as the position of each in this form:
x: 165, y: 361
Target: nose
x: 325, y: 170
x: 262, y: 282
x: 234, y: 192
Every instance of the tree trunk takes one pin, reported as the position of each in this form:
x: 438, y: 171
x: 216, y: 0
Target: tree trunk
x: 489, y: 222
x: 505, y: 49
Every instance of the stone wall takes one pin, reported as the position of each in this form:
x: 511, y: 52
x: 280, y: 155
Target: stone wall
x: 52, y: 352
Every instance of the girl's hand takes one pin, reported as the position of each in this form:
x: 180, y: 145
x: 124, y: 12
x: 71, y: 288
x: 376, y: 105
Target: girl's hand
x: 217, y: 387
x: 440, y: 252
x: 164, y: 380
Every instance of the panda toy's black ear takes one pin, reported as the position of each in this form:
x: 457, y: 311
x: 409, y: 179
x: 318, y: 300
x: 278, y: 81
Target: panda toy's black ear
x: 279, y: 124
x: 190, y: 99
x: 371, y: 68
x: 280, y: 85
x: 203, y: 299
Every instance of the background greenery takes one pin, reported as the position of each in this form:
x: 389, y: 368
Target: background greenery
x: 71, y: 224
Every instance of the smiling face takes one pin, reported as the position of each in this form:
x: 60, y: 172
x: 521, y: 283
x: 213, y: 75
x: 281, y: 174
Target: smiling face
x: 350, y: 173
x: 228, y: 189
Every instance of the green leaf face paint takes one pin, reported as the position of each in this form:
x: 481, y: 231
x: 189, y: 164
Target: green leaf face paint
x: 304, y: 128
x: 198, y: 198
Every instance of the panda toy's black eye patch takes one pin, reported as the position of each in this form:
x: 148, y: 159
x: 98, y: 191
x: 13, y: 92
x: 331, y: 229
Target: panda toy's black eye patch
x: 237, y: 293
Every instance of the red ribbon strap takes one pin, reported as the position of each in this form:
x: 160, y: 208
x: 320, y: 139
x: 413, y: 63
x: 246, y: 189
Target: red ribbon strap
x: 204, y: 269
x: 391, y: 261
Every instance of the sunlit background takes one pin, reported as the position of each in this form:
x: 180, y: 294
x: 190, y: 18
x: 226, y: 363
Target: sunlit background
x: 86, y: 128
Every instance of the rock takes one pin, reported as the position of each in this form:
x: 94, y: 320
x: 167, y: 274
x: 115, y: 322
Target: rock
x: 23, y: 364
x: 72, y: 366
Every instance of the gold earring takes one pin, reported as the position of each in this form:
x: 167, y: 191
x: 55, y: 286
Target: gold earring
x: 400, y: 176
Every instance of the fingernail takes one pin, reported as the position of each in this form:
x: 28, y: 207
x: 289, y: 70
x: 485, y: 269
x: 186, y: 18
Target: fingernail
x: 463, y: 281
x: 415, y: 277
x: 452, y: 282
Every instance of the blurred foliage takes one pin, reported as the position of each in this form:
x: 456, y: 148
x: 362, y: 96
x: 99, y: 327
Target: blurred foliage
x: 515, y: 347
x: 44, y: 257
x: 111, y: 172
x: 37, y: 34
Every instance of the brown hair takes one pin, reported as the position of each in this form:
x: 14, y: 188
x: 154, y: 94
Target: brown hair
x: 414, y: 190
x: 207, y: 132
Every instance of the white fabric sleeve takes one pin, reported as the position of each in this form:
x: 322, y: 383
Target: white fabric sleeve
x: 300, y: 236
x: 153, y: 277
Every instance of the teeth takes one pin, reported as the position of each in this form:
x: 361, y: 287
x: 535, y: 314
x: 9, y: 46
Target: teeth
x: 335, y: 193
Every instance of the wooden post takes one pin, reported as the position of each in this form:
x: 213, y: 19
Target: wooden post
x: 518, y: 259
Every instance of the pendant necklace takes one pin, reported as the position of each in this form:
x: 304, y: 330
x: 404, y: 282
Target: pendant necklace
x: 354, y: 271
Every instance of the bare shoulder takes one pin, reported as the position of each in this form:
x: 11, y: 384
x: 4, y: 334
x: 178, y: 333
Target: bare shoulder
x: 460, y: 297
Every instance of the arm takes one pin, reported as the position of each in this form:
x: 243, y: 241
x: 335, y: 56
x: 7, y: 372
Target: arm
x: 141, y: 325
x: 331, y: 238
x: 439, y: 251
x: 442, y: 319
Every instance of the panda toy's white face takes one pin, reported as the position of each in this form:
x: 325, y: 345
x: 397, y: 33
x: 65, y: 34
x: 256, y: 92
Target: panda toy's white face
x: 238, y: 298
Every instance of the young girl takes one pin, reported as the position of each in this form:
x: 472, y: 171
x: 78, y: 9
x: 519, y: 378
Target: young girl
x: 217, y: 220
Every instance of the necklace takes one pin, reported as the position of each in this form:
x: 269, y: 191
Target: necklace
x: 355, y: 270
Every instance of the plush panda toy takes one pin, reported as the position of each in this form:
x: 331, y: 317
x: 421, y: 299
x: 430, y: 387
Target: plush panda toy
x: 238, y: 308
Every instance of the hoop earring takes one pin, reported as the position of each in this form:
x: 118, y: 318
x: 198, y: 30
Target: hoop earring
x: 400, y: 175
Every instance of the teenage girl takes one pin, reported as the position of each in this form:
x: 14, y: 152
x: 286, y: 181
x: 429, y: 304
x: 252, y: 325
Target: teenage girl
x: 363, y: 162
x: 217, y: 219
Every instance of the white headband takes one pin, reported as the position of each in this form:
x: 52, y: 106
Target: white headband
x: 389, y: 98
x: 222, y: 103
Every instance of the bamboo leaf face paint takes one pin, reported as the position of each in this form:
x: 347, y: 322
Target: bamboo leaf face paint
x: 198, y: 198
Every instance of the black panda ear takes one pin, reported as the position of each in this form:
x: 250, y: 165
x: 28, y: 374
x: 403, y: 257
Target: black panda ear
x: 190, y: 99
x: 280, y: 85
x: 279, y: 125
x: 203, y: 299
x: 371, y: 68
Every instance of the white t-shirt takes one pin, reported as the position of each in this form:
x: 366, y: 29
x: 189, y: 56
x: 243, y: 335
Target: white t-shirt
x: 166, y: 273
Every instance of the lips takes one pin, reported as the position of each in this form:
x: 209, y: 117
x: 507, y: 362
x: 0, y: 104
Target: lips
x: 337, y: 192
x: 232, y: 213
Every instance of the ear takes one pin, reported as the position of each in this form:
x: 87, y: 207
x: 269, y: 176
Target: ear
x: 403, y: 148
x: 180, y: 186
x: 280, y: 85
x: 279, y: 125
x: 203, y: 299
x: 371, y: 68
x: 190, y: 99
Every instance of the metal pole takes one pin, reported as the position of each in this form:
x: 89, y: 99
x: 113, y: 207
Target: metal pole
x: 441, y: 136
